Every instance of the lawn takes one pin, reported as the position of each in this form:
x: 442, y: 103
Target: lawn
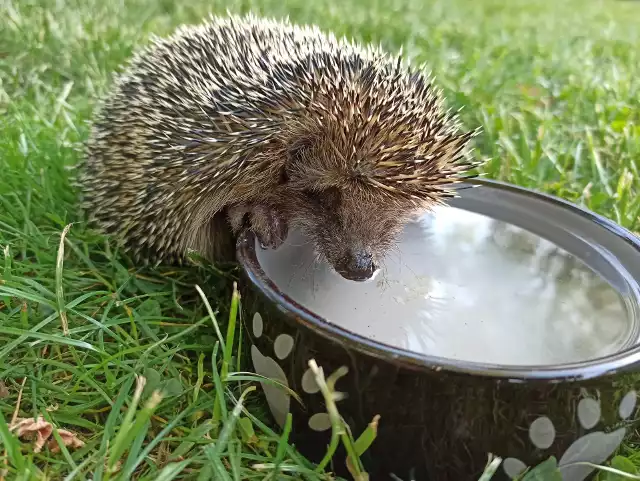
x: 554, y: 84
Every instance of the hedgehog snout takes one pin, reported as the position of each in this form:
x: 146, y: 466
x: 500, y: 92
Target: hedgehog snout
x: 358, y: 265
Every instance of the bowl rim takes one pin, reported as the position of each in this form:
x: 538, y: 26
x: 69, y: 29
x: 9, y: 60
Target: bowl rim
x: 301, y: 316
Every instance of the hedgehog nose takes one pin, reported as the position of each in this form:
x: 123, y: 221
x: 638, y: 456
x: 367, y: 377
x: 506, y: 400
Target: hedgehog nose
x: 359, y: 266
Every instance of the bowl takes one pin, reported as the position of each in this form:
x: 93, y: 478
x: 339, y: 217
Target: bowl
x: 507, y: 323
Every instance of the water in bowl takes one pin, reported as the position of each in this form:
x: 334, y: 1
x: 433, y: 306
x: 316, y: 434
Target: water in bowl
x: 465, y: 286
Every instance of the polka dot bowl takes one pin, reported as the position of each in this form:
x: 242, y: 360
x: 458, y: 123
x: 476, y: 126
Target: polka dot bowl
x: 440, y: 418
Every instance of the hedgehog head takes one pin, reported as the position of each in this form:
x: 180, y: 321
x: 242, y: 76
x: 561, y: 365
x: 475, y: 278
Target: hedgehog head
x: 364, y: 159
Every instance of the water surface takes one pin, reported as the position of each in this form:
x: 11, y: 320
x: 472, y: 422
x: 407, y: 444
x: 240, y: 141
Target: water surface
x: 464, y: 286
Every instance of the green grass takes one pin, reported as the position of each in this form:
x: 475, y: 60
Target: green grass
x: 555, y: 85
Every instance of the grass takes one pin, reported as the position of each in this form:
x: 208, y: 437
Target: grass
x: 555, y: 85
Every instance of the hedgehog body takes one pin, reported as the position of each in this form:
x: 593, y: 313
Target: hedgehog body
x: 243, y: 120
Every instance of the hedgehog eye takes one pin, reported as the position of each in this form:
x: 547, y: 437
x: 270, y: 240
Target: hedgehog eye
x: 284, y: 176
x: 312, y: 195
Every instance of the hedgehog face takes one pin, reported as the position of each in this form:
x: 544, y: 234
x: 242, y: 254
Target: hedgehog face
x: 353, y: 229
x: 353, y: 226
x: 352, y: 222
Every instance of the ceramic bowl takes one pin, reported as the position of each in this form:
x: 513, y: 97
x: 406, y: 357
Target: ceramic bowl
x: 440, y: 417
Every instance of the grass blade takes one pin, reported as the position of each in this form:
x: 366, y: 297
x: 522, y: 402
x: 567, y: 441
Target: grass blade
x: 171, y: 471
x: 59, y: 289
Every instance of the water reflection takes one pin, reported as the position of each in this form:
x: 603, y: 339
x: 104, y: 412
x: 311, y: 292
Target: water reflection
x: 465, y: 286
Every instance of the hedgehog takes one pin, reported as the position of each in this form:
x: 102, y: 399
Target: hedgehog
x: 245, y: 122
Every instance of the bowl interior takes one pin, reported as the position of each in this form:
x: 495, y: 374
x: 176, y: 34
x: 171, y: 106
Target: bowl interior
x: 503, y: 281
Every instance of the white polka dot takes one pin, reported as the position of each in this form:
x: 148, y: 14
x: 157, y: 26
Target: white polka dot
x: 588, y: 412
x: 278, y: 399
x: 282, y: 345
x: 594, y: 448
x: 257, y: 325
x: 309, y: 384
x: 320, y: 422
x: 627, y: 405
x: 542, y: 432
x: 513, y: 467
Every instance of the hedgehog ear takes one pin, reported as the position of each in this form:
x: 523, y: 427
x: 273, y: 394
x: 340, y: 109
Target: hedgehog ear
x: 295, y: 157
x: 297, y: 152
